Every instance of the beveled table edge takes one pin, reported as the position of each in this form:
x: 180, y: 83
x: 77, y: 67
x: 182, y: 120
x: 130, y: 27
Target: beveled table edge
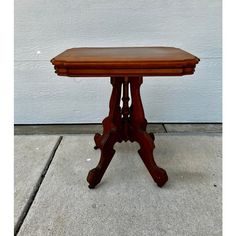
x: 127, y: 68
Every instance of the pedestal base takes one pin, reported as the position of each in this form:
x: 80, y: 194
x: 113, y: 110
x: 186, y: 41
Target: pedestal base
x: 125, y: 124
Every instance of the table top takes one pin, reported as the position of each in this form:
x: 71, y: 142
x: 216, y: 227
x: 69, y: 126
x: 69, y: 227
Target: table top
x: 124, y: 61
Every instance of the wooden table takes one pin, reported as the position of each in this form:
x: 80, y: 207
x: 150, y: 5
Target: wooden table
x: 126, y: 66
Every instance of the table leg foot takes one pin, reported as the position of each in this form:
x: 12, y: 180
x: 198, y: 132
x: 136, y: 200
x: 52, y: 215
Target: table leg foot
x: 161, y: 178
x: 158, y: 174
x: 95, y: 175
x: 147, y: 146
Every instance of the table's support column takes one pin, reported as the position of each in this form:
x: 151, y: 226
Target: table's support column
x: 138, y: 133
x: 123, y: 125
x: 125, y: 111
x: 111, y: 134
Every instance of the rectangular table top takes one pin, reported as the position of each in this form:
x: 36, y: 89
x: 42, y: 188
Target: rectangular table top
x: 124, y: 61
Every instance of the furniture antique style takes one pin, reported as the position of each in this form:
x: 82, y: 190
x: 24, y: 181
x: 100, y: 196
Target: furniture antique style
x: 126, y: 66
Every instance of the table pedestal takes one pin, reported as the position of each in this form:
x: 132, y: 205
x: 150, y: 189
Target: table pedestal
x: 125, y: 124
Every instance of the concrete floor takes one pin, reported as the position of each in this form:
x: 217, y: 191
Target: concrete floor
x: 52, y: 197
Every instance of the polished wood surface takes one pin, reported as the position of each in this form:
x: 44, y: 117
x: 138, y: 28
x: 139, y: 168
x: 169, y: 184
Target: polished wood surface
x: 123, y: 124
x: 141, y: 61
x: 126, y: 67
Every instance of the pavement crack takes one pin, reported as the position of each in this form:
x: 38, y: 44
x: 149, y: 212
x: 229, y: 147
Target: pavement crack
x: 164, y: 128
x: 36, y: 188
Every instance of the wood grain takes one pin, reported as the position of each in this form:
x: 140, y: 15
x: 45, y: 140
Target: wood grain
x: 109, y: 61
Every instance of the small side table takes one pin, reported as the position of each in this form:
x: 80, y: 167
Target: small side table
x: 126, y: 66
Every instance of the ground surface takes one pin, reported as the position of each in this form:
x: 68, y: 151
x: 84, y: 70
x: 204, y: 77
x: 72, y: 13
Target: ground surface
x: 52, y: 197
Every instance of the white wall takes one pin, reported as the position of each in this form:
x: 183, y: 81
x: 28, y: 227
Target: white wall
x: 50, y: 27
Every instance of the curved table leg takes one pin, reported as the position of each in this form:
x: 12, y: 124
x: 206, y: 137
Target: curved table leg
x: 111, y: 134
x: 138, y: 133
x: 107, y: 152
x: 126, y: 124
x: 147, y: 146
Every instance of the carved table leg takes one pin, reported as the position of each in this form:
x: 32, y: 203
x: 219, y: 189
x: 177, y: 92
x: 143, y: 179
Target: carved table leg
x: 123, y: 125
x: 107, y: 152
x: 138, y: 133
x: 111, y: 134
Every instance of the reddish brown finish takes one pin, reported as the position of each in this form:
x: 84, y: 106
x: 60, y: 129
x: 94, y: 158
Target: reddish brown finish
x: 132, y: 61
x: 126, y: 67
x: 125, y: 124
